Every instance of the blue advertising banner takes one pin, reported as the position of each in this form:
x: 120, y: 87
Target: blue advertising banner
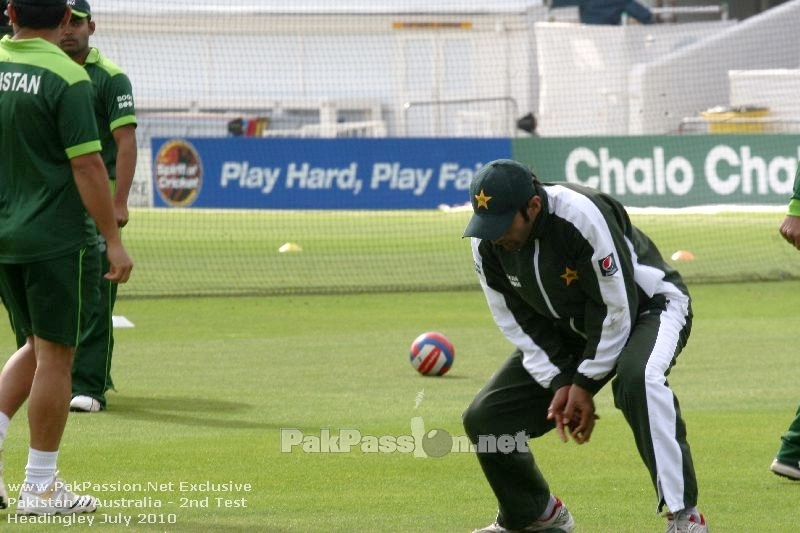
x: 259, y: 173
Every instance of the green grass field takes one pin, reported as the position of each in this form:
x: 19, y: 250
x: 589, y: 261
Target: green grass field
x: 205, y: 386
x: 191, y: 252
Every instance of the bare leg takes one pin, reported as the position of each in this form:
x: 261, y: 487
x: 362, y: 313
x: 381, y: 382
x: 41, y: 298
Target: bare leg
x: 50, y: 392
x: 16, y: 378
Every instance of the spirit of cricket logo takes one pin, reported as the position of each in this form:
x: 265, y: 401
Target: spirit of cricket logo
x: 434, y: 443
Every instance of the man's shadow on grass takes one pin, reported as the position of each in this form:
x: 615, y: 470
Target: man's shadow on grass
x: 186, y: 411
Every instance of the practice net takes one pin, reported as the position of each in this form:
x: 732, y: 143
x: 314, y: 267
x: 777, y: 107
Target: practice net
x: 517, y: 70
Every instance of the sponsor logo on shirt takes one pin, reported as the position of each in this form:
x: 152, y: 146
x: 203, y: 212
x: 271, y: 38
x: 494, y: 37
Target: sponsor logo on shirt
x: 608, y: 265
x: 124, y: 101
x: 513, y: 280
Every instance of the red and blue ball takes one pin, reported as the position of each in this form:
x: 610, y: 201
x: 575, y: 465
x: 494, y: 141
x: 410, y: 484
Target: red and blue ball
x: 432, y: 354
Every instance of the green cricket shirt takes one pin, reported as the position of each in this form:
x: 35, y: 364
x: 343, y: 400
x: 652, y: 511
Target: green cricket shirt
x: 113, y: 103
x: 46, y: 119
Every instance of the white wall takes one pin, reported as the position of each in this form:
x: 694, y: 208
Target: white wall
x: 579, y: 80
x: 776, y: 89
x: 267, y: 62
x: 635, y: 80
x: 695, y: 78
x: 585, y: 70
x: 222, y: 7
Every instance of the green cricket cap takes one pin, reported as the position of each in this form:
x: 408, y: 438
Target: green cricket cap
x: 80, y: 8
x: 497, y: 192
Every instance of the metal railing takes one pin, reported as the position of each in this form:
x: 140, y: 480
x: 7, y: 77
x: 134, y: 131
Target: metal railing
x: 365, y: 128
x: 703, y: 125
x: 670, y: 12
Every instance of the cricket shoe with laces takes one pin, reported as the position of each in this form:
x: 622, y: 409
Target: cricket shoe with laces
x: 786, y: 469
x: 55, y: 499
x: 560, y: 521
x: 681, y: 522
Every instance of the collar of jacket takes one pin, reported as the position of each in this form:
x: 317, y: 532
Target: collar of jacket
x: 542, y: 219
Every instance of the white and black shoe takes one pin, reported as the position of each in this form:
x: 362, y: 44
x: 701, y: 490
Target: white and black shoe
x: 85, y: 404
x: 682, y: 522
x: 55, y: 499
x: 786, y: 469
x: 559, y: 521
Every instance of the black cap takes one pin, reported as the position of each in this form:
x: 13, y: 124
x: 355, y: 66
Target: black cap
x: 40, y: 3
x: 80, y: 8
x: 497, y: 192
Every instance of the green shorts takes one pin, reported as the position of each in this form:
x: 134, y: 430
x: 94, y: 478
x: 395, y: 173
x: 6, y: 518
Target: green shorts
x: 51, y: 299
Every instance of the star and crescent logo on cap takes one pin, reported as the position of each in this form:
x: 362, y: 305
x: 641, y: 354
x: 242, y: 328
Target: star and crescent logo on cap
x: 482, y: 199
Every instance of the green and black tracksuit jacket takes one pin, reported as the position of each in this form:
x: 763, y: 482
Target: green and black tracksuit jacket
x: 569, y: 298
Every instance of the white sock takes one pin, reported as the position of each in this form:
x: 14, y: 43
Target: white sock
x: 4, y: 422
x: 41, y: 469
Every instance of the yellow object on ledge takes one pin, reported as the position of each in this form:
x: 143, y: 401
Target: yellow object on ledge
x: 733, y: 119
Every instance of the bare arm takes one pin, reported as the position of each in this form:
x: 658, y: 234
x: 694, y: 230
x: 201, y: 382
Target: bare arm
x: 91, y: 179
x: 125, y: 137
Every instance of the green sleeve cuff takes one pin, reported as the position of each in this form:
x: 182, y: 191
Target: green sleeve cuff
x: 83, y: 149
x: 794, y: 207
x: 122, y: 121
